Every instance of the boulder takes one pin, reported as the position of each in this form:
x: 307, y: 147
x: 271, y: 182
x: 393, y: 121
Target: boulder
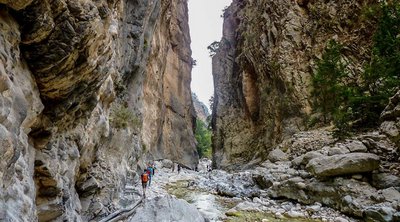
x: 391, y: 194
x: 167, y: 208
x: 277, y: 155
x: 385, y: 180
x: 304, y: 159
x: 344, y: 164
x: 356, y: 146
x: 379, y: 213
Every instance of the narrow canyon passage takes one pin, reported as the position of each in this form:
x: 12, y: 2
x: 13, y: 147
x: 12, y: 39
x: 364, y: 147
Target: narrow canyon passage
x: 222, y: 196
x: 303, y: 123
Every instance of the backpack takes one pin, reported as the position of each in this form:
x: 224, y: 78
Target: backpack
x: 145, y: 177
x: 150, y: 171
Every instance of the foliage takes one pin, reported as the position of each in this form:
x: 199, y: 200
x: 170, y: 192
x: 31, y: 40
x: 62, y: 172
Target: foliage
x: 203, y: 137
x: 382, y: 75
x: 122, y: 117
x: 328, y: 81
x: 353, y: 105
x: 213, y: 47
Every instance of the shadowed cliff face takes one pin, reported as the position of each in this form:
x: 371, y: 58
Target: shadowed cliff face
x: 92, y: 90
x: 263, y: 66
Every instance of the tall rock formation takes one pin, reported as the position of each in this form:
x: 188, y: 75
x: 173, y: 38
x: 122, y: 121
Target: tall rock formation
x: 263, y: 66
x: 90, y: 91
x: 200, y: 108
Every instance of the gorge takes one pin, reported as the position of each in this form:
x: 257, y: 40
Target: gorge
x: 92, y: 91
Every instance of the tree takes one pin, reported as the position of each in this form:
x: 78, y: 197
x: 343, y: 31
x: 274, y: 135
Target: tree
x: 213, y: 47
x: 328, y: 81
x: 203, y: 137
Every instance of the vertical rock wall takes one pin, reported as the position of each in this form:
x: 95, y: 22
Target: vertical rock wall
x: 78, y: 100
x: 168, y: 115
x: 263, y: 66
x: 20, y: 106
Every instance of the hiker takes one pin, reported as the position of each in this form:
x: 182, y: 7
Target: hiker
x: 150, y: 171
x: 179, y: 168
x: 144, y: 177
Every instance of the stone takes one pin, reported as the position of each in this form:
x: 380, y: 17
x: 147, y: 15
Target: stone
x: 295, y: 214
x: 338, y: 150
x: 337, y: 165
x: 167, y: 208
x: 385, y: 180
x: 376, y: 213
x: 262, y: 181
x: 313, y: 208
x: 277, y: 155
x: 356, y: 146
x: 340, y: 219
x: 391, y: 194
x: 304, y: 159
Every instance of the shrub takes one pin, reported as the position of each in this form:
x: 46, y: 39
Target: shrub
x: 122, y: 117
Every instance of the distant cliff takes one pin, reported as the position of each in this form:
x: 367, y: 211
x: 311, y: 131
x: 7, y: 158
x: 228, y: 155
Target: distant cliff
x: 262, y: 70
x: 90, y: 91
x: 201, y: 109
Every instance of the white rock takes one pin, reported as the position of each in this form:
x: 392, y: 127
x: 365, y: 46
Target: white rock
x: 295, y: 214
x: 340, y: 219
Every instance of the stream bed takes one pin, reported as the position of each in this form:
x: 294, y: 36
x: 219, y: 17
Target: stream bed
x: 217, y: 208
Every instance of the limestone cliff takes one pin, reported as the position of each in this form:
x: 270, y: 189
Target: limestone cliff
x: 263, y: 66
x: 201, y: 109
x: 90, y: 91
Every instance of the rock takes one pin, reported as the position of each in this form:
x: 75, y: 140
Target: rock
x: 396, y: 216
x: 338, y: 150
x: 279, y: 215
x: 201, y: 109
x: 376, y: 213
x: 277, y: 155
x: 304, y: 159
x: 295, y: 214
x: 391, y: 194
x: 166, y: 163
x: 385, y: 180
x: 262, y: 181
x: 357, y: 176
x: 356, y: 146
x: 313, y: 208
x: 337, y: 165
x: 167, y: 208
x: 340, y: 219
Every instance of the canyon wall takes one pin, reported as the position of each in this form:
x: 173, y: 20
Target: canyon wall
x: 262, y: 70
x: 90, y: 92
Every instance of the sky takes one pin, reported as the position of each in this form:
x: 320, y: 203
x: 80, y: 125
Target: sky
x: 205, y: 24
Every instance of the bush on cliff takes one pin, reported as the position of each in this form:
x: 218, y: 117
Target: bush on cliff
x: 354, y: 104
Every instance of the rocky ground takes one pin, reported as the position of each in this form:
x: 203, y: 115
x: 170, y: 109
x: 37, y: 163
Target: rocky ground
x: 221, y: 196
x: 309, y: 177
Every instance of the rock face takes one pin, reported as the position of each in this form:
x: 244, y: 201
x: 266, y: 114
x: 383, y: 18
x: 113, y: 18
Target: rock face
x: 168, y: 106
x: 20, y: 106
x: 263, y: 66
x: 90, y: 91
x: 201, y: 109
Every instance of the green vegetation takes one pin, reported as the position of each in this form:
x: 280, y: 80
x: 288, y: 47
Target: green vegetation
x: 357, y: 103
x: 203, y: 137
x: 122, y: 117
x: 213, y: 48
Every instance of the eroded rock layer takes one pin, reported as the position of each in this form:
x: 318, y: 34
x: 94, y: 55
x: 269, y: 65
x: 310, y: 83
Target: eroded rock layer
x: 90, y: 91
x: 263, y: 66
